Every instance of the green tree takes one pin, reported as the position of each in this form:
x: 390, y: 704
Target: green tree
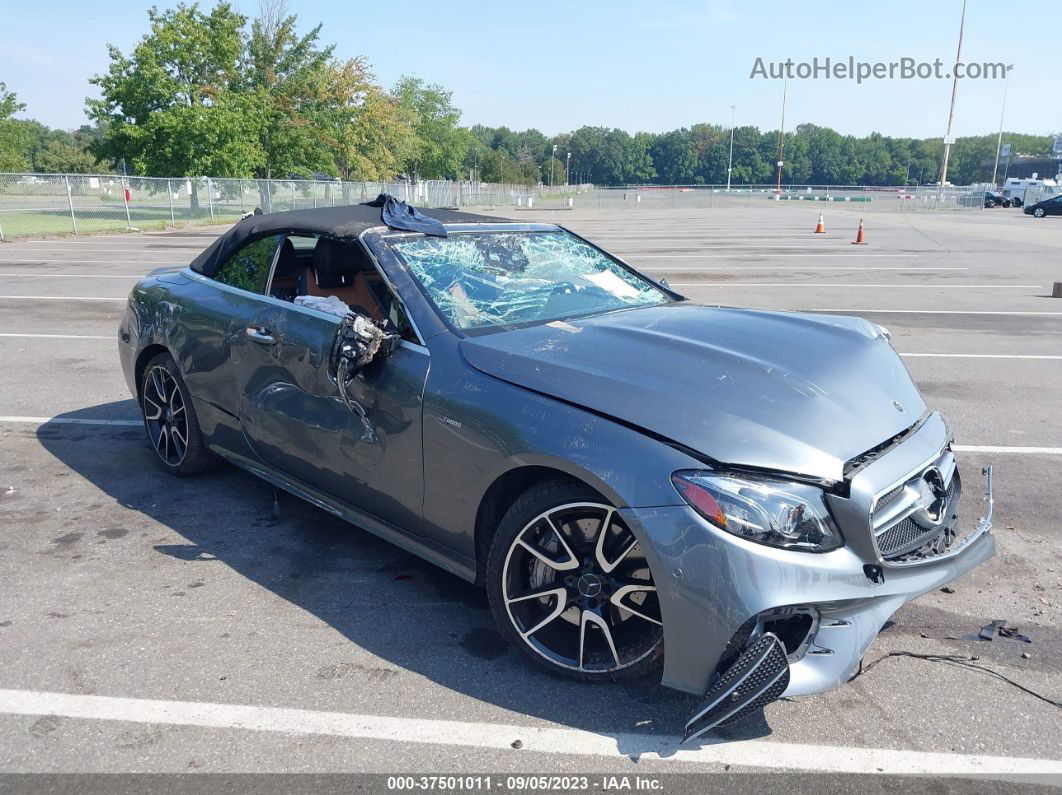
x: 295, y: 88
x: 674, y: 157
x: 557, y: 174
x: 640, y: 166
x: 174, y: 106
x: 12, y: 142
x: 371, y: 135
x: 440, y: 144
x: 60, y: 157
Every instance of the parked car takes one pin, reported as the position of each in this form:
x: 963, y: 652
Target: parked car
x: 996, y: 199
x: 1051, y: 206
x: 739, y: 499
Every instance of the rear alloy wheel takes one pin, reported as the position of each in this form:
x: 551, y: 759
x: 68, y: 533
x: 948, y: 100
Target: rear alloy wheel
x: 570, y: 586
x: 170, y: 421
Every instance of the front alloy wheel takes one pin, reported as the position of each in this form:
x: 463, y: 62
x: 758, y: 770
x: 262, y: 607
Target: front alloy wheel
x: 1039, y: 212
x: 572, y: 588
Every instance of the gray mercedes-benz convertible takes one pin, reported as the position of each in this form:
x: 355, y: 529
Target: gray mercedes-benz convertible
x: 740, y: 497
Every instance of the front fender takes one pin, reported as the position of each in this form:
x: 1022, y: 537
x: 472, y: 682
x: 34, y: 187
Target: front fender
x: 478, y: 428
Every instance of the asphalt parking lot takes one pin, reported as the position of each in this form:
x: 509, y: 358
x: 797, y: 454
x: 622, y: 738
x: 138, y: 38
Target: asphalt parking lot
x: 152, y: 624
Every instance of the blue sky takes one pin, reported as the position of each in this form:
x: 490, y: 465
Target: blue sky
x: 636, y: 65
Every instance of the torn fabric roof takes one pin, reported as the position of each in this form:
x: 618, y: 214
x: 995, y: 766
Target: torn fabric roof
x: 399, y: 215
x: 341, y: 223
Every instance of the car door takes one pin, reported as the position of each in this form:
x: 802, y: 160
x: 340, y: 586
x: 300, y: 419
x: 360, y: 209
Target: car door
x: 368, y: 454
x: 222, y: 306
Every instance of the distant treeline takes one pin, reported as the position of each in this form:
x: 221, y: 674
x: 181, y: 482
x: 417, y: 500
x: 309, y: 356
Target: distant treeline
x: 216, y: 93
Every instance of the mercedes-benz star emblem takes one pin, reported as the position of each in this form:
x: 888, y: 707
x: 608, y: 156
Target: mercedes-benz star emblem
x: 934, y: 497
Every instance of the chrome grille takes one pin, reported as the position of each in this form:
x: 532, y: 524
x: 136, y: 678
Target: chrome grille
x: 887, y: 499
x: 902, y: 522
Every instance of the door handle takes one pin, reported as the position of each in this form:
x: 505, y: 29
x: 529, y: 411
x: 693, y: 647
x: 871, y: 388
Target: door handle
x: 261, y: 336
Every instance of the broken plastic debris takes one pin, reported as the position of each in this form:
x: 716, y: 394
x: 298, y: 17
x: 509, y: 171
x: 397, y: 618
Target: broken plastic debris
x: 1000, y: 628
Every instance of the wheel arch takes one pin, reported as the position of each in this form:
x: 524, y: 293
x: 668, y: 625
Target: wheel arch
x: 505, y: 490
x: 146, y: 355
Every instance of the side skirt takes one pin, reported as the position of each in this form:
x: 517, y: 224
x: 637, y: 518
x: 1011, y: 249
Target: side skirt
x: 442, y: 557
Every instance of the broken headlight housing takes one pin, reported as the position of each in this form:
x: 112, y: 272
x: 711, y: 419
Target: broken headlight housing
x: 778, y: 513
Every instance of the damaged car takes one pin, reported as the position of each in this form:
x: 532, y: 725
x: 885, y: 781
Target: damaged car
x: 734, y: 500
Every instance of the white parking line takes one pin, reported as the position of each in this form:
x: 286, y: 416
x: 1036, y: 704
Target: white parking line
x: 898, y: 285
x: 76, y: 275
x: 51, y: 261
x: 81, y: 247
x: 135, y: 239
x: 500, y: 737
x: 978, y: 356
x: 967, y: 448
x: 865, y: 311
x: 60, y: 336
x: 797, y: 269
x: 62, y: 298
x: 752, y: 244
x: 65, y: 421
x: 635, y: 255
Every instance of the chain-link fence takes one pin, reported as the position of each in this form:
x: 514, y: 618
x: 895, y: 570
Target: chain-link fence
x: 54, y: 204
x: 868, y: 198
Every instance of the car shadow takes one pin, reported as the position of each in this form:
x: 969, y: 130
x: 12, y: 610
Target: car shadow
x: 405, y: 611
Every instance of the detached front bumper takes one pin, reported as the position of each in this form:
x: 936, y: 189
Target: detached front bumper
x: 711, y: 584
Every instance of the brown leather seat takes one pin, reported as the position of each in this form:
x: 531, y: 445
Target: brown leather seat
x: 286, y: 273
x: 338, y: 269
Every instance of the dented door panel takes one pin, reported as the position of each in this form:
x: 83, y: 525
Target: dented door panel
x: 367, y: 455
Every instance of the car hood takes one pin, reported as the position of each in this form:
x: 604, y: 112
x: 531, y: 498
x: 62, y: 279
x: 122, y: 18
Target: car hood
x: 780, y: 391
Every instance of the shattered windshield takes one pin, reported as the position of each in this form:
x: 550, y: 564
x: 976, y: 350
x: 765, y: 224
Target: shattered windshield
x: 483, y: 279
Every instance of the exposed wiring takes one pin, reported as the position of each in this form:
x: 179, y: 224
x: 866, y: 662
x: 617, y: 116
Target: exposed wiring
x: 962, y: 662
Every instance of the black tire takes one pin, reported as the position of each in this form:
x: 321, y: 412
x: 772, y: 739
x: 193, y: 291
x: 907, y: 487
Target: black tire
x: 634, y: 634
x: 173, y: 433
x: 1039, y: 212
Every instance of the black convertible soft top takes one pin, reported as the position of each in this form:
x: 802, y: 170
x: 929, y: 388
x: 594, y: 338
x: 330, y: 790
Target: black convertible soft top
x: 340, y: 223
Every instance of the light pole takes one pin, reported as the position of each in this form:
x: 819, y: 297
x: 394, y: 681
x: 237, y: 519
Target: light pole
x: 730, y: 163
x: 781, y: 141
x: 1002, y: 110
x: 552, y: 157
x: 951, y: 111
x: 567, y: 169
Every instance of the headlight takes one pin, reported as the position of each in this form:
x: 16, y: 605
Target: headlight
x: 778, y: 513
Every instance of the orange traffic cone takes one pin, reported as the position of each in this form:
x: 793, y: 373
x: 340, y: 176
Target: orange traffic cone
x: 859, y: 241
x: 821, y: 228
